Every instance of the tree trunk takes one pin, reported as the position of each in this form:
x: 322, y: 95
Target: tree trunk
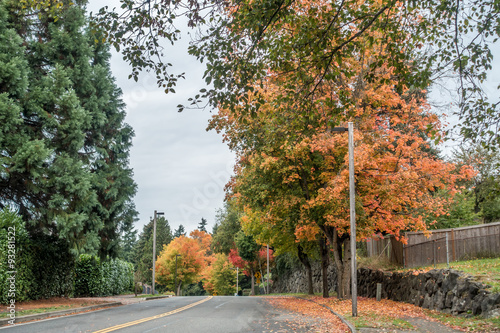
x: 324, y: 265
x: 253, y: 282
x: 342, y: 257
x: 343, y: 271
x: 262, y: 277
x: 346, y: 276
x: 305, y: 261
x: 179, y: 288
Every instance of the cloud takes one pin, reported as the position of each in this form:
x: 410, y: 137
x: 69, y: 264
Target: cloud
x: 179, y: 167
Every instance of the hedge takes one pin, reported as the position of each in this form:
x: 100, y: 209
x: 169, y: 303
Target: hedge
x: 96, y: 278
x: 42, y: 267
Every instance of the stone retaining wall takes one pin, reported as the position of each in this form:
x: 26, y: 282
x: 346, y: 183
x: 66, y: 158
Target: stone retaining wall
x: 445, y: 290
x: 296, y: 280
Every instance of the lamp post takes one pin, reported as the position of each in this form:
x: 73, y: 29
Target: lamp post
x: 267, y: 289
x: 175, y: 276
x: 154, y: 247
x: 352, y: 213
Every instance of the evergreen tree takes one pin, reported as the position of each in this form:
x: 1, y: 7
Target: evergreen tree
x: 66, y: 166
x: 179, y: 231
x: 143, y: 251
x: 128, y: 241
x: 21, y: 159
x: 225, y: 229
x: 202, y: 225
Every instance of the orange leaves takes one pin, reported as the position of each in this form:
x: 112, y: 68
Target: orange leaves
x: 204, y: 239
x: 307, y: 232
x: 183, y: 256
x: 293, y: 174
x: 323, y: 320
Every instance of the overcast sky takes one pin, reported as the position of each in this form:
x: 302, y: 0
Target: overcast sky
x: 179, y: 167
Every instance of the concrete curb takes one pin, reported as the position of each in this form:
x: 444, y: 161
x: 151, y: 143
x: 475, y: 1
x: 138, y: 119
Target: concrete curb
x: 38, y: 316
x: 348, y: 324
x: 156, y: 297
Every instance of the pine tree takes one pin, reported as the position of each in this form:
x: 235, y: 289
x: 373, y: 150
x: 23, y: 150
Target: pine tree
x: 202, y: 225
x: 128, y: 241
x: 143, y: 251
x: 179, y: 231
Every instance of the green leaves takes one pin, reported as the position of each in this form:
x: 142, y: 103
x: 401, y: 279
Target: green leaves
x: 242, y: 41
x: 63, y: 143
x: 94, y: 277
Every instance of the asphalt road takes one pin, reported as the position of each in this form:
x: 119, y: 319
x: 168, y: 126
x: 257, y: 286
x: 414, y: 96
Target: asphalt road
x: 219, y: 314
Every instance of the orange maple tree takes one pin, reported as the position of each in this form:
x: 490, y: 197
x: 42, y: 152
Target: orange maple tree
x: 183, y: 260
x: 293, y: 170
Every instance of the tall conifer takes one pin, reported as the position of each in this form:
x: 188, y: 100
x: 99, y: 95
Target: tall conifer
x: 68, y: 172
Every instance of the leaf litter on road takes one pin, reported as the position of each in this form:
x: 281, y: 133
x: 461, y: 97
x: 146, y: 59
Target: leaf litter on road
x: 308, y: 317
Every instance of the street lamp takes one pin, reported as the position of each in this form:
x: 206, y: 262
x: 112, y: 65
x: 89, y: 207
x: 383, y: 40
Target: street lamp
x: 354, y: 284
x: 267, y: 289
x: 175, y: 278
x: 154, y: 246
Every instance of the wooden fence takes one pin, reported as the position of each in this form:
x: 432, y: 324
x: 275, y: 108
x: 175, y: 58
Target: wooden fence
x: 439, y: 246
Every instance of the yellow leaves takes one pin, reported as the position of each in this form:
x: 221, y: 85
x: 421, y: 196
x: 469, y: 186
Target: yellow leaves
x: 49, y: 7
x: 188, y: 254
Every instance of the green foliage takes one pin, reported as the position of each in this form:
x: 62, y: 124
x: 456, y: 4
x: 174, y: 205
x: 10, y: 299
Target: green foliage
x: 52, y: 267
x: 11, y: 222
x: 194, y: 289
x: 460, y: 213
x: 143, y: 250
x: 285, y: 264
x: 222, y: 279
x: 491, y: 210
x: 88, y: 276
x: 94, y: 277
x: 202, y: 225
x: 64, y: 145
x: 225, y: 280
x: 128, y: 241
x: 179, y: 231
x: 247, y: 247
x: 485, y: 186
x: 264, y: 284
x: 226, y: 228
x: 42, y: 264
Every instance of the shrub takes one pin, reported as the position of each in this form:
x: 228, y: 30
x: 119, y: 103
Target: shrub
x: 12, y: 227
x: 52, y: 267
x: 94, y: 277
x: 42, y: 263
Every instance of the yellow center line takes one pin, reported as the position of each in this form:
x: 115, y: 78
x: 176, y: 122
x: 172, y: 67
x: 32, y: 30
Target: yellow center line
x: 143, y: 320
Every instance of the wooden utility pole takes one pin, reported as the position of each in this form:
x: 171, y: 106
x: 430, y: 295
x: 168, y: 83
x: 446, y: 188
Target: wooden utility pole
x: 352, y: 201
